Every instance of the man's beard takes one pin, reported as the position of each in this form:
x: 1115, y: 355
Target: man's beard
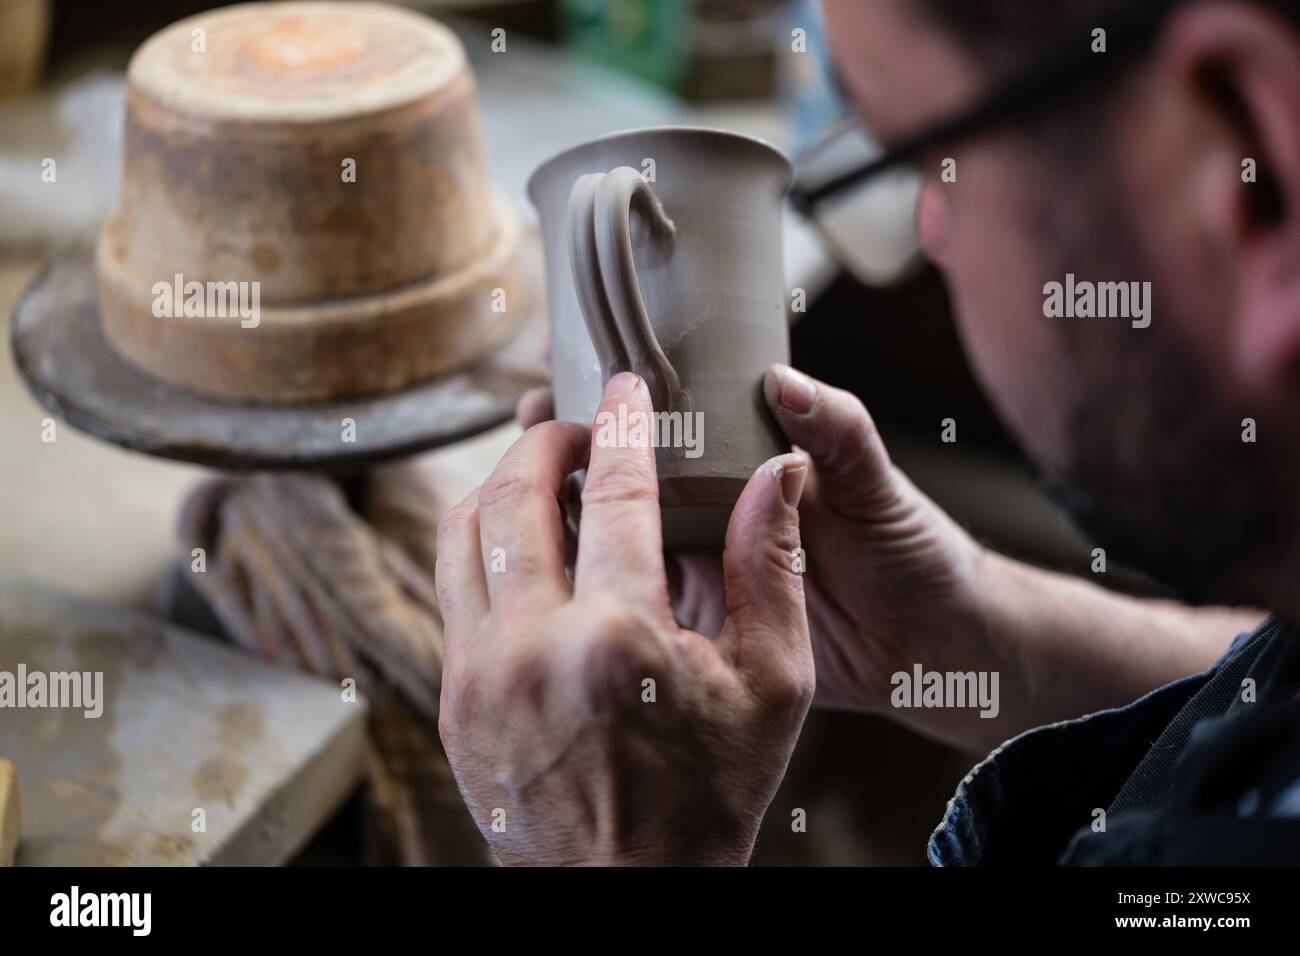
x: 1159, y: 475
x: 1157, y: 472
x: 1193, y: 558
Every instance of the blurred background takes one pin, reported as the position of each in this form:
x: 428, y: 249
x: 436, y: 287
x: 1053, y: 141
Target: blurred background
x: 98, y: 522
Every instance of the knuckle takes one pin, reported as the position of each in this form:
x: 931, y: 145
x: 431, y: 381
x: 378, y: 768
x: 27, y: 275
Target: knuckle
x: 446, y: 728
x: 776, y: 534
x: 446, y: 595
x: 618, y: 656
x: 857, y: 428
x: 462, y: 704
x: 847, y: 427
x: 623, y: 483
x: 859, y: 416
x: 524, y: 672
x: 507, y: 486
x: 609, y: 617
x: 855, y: 459
x: 848, y: 411
x: 456, y: 523
x: 786, y: 547
x: 860, y: 428
x: 612, y: 671
x: 787, y: 688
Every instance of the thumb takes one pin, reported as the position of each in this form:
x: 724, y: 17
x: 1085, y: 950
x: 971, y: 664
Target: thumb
x: 767, y: 624
x: 854, y: 473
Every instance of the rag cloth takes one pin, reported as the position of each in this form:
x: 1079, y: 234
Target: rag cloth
x: 340, y: 584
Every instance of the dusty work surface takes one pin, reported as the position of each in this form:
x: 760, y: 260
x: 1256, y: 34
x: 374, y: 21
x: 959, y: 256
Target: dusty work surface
x: 187, y: 725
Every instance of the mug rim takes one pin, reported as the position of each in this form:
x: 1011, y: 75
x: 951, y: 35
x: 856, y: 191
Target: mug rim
x: 702, y: 132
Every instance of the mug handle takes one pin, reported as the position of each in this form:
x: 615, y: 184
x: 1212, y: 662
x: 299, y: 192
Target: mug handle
x: 604, y: 273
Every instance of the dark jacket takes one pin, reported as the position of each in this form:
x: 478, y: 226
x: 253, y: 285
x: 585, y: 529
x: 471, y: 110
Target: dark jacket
x: 1194, y: 773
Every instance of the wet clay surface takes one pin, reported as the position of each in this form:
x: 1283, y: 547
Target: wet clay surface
x: 679, y: 279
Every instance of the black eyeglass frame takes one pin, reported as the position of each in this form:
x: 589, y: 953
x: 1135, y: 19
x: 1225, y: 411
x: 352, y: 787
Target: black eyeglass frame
x: 1034, y: 90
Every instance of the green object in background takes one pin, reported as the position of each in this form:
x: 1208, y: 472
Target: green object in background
x: 647, y: 38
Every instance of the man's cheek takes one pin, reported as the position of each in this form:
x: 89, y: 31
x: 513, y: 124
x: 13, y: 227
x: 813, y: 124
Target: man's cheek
x: 840, y: 19
x: 1011, y: 347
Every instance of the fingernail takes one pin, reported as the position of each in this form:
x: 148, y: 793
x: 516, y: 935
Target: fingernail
x: 795, y: 391
x: 793, y: 476
x: 621, y: 384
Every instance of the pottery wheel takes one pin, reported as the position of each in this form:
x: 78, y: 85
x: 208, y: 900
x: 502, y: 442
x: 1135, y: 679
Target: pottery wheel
x: 68, y: 364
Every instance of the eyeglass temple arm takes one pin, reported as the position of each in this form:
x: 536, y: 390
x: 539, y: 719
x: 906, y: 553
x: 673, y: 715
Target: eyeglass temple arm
x: 1035, y: 89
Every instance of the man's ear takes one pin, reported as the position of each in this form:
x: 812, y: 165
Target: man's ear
x: 1241, y: 63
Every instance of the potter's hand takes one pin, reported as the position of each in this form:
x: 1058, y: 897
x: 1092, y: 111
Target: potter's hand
x: 890, y: 578
x: 695, y: 580
x: 584, y: 725
x: 892, y: 582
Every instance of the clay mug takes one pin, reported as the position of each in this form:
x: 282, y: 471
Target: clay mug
x: 664, y: 257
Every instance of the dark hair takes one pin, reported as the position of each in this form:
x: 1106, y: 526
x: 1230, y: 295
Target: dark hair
x: 1008, y: 36
x: 1007, y: 33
